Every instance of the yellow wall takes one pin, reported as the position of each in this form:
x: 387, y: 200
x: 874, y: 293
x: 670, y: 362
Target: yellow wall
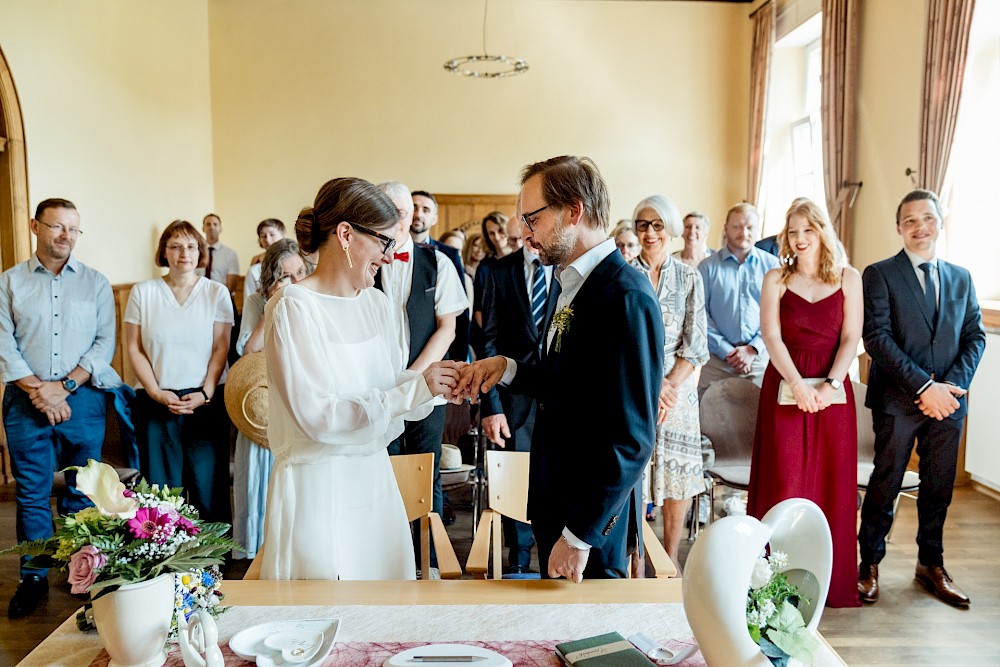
x: 890, y: 80
x: 116, y: 103
x: 131, y: 114
x: 655, y: 92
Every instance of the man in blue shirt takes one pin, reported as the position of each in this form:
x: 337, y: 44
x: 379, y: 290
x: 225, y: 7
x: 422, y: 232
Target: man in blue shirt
x: 57, y: 337
x: 733, y: 278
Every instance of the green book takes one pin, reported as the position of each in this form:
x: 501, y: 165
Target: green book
x: 610, y: 650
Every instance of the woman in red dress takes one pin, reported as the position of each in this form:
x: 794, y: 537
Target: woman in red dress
x: 811, y: 315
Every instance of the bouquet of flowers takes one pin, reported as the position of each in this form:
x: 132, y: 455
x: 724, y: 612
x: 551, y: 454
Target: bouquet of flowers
x: 130, y: 535
x: 773, y: 617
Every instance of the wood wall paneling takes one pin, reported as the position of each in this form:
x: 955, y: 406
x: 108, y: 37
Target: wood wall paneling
x: 467, y: 211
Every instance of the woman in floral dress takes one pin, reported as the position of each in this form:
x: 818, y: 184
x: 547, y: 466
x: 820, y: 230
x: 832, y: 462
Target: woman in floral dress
x: 675, y: 474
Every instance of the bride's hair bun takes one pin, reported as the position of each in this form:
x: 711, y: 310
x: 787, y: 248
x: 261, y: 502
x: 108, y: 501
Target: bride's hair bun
x: 305, y: 230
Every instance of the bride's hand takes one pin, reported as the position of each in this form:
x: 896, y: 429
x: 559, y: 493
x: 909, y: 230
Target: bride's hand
x: 442, y: 378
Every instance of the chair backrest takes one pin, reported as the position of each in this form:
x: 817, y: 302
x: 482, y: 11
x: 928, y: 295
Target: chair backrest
x: 729, y: 418
x: 507, y: 475
x: 415, y: 478
x: 866, y: 429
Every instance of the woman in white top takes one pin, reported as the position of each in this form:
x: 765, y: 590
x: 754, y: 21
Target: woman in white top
x: 177, y: 335
x: 338, y: 396
x: 282, y: 265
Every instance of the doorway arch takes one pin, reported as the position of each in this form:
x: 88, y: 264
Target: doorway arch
x: 15, y: 241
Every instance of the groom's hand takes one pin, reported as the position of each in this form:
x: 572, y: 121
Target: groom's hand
x: 567, y: 561
x: 479, y: 377
x: 496, y: 428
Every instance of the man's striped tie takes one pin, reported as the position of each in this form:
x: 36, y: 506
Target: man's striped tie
x: 538, y: 296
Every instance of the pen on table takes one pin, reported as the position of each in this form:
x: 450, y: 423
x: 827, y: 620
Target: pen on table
x: 447, y: 658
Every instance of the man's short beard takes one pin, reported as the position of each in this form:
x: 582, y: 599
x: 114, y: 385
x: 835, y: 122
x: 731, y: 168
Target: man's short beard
x: 559, y: 248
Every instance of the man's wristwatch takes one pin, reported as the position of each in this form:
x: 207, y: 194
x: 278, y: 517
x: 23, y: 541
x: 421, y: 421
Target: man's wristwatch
x: 203, y: 393
x: 835, y: 383
x: 70, y: 385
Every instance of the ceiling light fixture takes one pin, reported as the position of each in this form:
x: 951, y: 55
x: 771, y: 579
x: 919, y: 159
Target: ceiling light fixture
x: 486, y: 66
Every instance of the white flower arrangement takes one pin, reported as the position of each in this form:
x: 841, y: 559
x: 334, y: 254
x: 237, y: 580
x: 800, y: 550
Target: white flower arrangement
x: 773, y: 618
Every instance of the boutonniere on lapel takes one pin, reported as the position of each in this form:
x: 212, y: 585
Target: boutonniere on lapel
x: 561, y: 322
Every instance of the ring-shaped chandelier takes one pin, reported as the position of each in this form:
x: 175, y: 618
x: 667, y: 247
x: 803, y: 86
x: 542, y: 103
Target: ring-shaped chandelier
x: 496, y: 66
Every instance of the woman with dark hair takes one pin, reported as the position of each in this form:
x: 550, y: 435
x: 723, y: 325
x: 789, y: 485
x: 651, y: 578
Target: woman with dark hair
x: 811, y: 315
x: 282, y: 265
x: 177, y: 331
x: 338, y: 395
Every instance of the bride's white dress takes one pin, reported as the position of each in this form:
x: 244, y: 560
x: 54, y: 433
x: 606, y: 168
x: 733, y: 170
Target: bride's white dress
x: 338, y: 396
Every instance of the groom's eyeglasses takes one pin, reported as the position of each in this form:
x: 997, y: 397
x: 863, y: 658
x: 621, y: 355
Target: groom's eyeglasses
x: 388, y: 243
x: 526, y: 218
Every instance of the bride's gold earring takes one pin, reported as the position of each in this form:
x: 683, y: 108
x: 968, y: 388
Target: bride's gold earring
x: 347, y: 252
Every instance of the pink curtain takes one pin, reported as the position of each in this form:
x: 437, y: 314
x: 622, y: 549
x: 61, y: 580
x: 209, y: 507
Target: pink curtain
x: 841, y: 34
x: 948, y: 26
x: 764, y: 30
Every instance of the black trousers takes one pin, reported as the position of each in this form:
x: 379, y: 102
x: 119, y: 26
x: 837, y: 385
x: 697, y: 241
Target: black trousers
x: 187, y: 450
x: 937, y: 446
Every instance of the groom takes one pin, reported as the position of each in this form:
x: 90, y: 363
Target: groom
x: 597, y: 384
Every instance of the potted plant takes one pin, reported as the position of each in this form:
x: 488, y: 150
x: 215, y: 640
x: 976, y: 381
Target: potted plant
x: 125, y: 551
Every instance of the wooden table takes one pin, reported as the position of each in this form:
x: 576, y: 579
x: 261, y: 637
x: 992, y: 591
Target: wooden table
x: 463, y: 610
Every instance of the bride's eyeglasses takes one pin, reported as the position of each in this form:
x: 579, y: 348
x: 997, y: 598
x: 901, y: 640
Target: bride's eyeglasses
x: 388, y: 243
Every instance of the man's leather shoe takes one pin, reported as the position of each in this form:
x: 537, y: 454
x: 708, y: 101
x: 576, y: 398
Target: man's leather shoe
x: 29, y: 593
x: 448, y: 513
x: 868, y: 582
x: 937, y: 580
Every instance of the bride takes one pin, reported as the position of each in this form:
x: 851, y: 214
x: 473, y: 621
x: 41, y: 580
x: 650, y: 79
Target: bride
x: 338, y: 396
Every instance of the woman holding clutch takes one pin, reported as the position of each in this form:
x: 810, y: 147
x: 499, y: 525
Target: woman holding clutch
x: 806, y: 441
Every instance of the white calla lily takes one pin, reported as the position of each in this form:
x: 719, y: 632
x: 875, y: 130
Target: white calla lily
x: 99, y: 482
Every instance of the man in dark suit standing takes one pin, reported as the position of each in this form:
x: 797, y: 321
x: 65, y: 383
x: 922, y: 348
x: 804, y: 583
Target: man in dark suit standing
x: 924, y: 332
x: 518, y: 301
x: 597, y: 384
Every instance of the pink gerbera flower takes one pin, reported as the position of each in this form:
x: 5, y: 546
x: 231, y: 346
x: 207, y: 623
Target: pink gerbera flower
x: 185, y: 524
x: 147, y: 521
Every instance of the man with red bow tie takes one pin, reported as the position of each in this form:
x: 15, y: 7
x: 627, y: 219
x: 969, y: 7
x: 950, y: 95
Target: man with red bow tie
x: 428, y: 296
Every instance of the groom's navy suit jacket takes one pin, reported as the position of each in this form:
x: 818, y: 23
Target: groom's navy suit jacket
x: 907, y: 345
x: 596, y: 421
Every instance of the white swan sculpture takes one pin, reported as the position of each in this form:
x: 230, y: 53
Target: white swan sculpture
x: 717, y: 576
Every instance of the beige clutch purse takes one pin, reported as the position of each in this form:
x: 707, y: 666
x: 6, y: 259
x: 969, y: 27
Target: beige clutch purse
x: 787, y: 397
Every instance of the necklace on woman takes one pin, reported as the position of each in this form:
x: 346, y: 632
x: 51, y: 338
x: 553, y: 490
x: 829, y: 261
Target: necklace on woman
x: 810, y: 280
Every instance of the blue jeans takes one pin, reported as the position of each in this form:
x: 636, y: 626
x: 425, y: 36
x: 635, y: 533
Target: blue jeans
x: 37, y: 449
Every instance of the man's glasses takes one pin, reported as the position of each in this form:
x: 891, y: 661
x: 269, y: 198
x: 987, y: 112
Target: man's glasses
x: 643, y: 225
x: 59, y: 229
x: 526, y: 218
x: 388, y: 243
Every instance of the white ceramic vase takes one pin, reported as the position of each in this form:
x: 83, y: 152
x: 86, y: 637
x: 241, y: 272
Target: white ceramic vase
x: 718, y: 569
x: 133, y: 622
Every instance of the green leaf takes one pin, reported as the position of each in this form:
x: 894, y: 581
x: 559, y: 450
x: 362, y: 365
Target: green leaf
x: 788, y: 632
x: 35, y: 548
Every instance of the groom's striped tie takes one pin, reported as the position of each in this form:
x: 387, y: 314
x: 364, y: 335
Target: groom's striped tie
x: 538, y: 296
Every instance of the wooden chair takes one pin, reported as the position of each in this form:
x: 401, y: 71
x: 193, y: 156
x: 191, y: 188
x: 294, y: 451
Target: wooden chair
x: 415, y: 477
x: 507, y: 495
x: 866, y: 455
x: 729, y: 418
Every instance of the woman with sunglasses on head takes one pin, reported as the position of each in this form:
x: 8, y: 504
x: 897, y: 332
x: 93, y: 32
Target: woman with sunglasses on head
x: 338, y: 395
x: 177, y: 331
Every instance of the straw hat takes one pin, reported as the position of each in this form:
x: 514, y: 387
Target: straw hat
x: 246, y: 396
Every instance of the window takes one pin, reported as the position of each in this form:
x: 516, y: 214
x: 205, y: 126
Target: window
x: 793, y: 157
x: 973, y: 193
